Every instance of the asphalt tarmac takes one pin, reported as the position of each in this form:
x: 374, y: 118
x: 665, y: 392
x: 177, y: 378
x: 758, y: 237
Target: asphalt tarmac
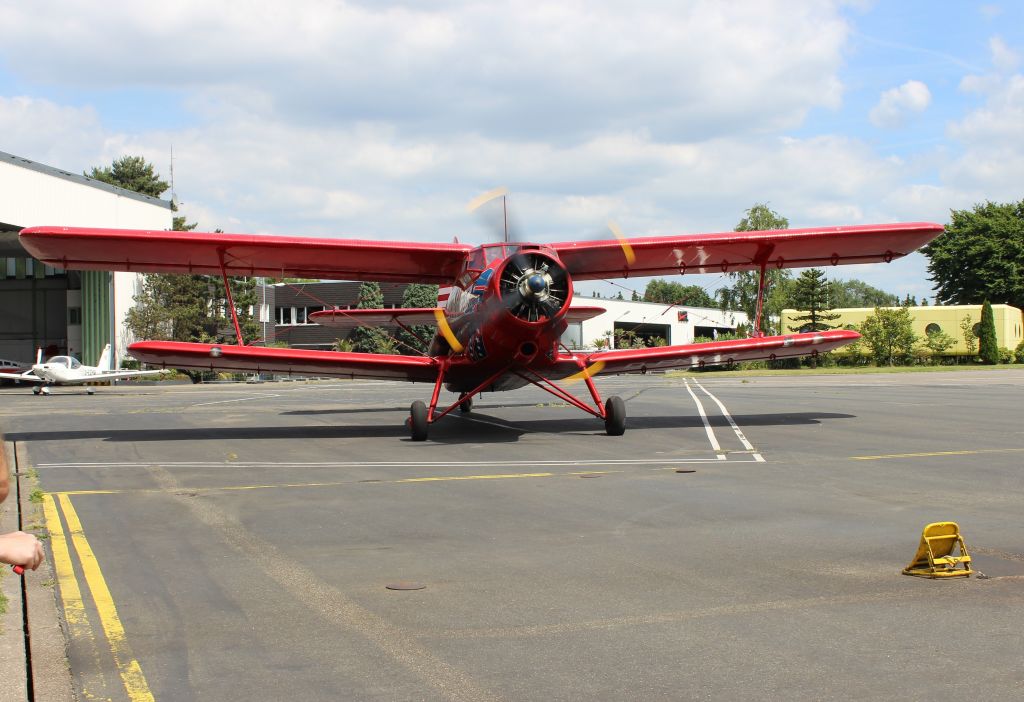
x: 743, y: 540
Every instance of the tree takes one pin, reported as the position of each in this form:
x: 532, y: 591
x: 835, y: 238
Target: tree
x: 417, y: 295
x: 663, y: 291
x: 371, y: 339
x: 811, y: 295
x: 937, y: 342
x: 742, y: 294
x: 857, y: 293
x: 890, y: 334
x: 760, y: 217
x: 988, y: 348
x: 132, y: 173
x: 970, y: 338
x: 980, y: 256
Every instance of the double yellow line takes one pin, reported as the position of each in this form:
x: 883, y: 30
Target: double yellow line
x: 71, y: 594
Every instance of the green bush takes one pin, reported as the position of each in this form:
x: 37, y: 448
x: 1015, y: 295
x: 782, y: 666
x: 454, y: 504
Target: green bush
x: 1018, y: 354
x: 1005, y: 355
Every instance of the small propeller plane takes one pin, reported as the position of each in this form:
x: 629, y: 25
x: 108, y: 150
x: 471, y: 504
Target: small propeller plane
x: 502, y: 307
x: 68, y: 370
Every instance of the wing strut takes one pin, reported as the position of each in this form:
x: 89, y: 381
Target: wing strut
x: 760, y: 300
x: 231, y: 302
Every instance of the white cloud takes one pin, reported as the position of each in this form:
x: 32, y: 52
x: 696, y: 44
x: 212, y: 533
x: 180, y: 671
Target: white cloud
x: 1003, y: 57
x: 572, y: 69
x: 896, y: 104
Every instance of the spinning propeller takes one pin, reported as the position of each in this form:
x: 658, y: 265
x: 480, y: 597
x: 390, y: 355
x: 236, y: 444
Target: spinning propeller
x: 533, y: 286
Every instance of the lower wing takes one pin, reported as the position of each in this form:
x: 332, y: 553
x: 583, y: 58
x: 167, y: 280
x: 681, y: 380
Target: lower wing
x: 765, y: 348
x: 259, y: 359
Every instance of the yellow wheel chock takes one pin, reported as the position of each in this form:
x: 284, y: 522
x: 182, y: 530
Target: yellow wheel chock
x: 934, y: 557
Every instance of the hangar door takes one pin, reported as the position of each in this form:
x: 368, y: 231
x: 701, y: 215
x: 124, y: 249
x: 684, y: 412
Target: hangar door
x: 650, y: 334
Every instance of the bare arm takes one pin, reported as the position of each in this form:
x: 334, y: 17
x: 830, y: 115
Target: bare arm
x: 16, y: 548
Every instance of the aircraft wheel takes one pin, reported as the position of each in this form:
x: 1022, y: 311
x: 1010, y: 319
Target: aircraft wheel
x: 37, y: 389
x: 90, y: 391
x: 465, y: 404
x: 615, y: 416
x: 418, y: 421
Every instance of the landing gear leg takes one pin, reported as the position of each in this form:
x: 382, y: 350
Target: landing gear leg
x: 615, y: 416
x: 418, y: 421
x: 465, y: 403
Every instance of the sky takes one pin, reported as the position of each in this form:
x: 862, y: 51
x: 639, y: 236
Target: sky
x: 384, y: 119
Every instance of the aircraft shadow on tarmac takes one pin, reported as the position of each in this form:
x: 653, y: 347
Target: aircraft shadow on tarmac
x: 488, y: 429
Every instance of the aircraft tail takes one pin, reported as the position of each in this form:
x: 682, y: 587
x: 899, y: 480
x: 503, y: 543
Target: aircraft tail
x: 104, y: 362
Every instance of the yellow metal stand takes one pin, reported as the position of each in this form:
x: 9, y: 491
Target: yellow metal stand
x: 934, y: 557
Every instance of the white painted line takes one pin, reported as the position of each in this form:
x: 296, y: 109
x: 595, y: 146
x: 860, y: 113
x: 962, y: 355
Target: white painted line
x: 707, y: 425
x: 743, y: 439
x: 237, y: 399
x: 388, y: 464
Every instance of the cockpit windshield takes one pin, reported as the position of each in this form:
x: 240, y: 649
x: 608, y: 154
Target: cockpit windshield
x: 487, y: 254
x: 66, y: 361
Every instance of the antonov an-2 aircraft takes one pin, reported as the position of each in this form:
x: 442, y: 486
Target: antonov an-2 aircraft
x: 502, y: 308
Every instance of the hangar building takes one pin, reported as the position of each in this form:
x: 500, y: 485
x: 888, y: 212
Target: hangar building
x: 64, y: 312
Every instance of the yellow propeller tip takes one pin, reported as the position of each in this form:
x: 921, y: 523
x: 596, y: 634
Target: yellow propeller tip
x: 484, y: 198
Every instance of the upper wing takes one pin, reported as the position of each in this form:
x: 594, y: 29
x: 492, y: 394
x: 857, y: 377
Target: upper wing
x: 740, y: 251
x: 258, y: 359
x: 713, y: 352
x: 244, y: 254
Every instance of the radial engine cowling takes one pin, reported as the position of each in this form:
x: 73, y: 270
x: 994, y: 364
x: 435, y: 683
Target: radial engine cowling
x: 534, y: 286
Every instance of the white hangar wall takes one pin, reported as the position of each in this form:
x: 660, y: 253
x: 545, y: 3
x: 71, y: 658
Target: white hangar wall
x: 675, y: 323
x: 33, y: 194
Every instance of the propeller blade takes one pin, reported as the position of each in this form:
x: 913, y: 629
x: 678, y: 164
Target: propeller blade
x: 588, y: 372
x: 627, y: 250
x: 446, y: 330
x: 492, y: 208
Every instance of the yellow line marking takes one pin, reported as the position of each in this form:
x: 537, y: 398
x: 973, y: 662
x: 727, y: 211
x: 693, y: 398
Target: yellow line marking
x: 934, y: 453
x: 131, y: 672
x: 75, y: 615
x: 446, y: 330
x: 472, y: 477
x: 627, y: 250
x: 74, y: 609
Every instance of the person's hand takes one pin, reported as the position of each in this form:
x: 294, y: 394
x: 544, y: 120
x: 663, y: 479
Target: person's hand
x: 19, y: 548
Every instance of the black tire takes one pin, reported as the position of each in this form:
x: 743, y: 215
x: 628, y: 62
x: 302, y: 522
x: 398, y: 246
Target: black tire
x: 615, y: 416
x: 37, y: 389
x: 418, y: 421
x: 465, y: 404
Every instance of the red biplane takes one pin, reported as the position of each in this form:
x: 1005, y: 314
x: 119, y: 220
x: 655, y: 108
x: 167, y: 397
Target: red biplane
x: 502, y: 308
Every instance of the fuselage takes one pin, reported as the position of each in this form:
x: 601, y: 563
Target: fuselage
x: 65, y: 370
x: 507, y: 310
